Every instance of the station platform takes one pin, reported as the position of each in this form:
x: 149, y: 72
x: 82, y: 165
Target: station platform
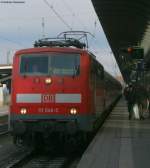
x: 4, y: 110
x: 120, y: 143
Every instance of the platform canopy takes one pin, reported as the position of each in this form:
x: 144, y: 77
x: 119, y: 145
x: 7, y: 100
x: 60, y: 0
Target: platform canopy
x: 126, y: 23
x: 5, y: 73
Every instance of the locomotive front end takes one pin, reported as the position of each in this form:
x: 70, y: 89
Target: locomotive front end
x: 49, y: 93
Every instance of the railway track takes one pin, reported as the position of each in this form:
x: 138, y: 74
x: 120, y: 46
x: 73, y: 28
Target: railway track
x: 20, y: 160
x: 4, y: 129
x: 31, y: 159
x: 56, y: 157
x: 13, y: 156
x: 4, y: 133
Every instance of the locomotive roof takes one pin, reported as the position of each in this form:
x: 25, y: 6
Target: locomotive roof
x: 52, y: 49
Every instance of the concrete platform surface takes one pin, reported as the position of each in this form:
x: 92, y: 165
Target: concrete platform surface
x: 120, y: 143
x: 4, y: 110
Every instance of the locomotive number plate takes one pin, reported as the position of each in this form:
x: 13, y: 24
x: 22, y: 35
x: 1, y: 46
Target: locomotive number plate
x: 48, y: 110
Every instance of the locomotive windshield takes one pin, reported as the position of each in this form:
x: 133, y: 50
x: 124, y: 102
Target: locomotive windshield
x: 58, y: 64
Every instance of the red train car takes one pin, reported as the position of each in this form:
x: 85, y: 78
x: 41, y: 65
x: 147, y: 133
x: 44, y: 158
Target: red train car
x: 61, y: 90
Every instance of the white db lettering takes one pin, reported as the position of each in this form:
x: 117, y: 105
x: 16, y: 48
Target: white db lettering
x: 48, y: 98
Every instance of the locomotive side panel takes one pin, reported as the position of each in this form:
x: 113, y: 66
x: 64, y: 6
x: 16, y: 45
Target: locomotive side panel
x: 97, y: 88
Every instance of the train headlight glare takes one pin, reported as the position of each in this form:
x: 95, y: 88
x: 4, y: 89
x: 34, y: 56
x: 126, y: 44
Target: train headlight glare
x: 48, y: 80
x: 73, y: 111
x: 23, y: 111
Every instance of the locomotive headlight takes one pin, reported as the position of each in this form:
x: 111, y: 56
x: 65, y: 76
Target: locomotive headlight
x: 73, y: 111
x: 23, y: 110
x: 48, y: 80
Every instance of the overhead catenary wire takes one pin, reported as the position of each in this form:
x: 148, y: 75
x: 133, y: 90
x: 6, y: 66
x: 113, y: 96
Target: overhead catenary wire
x: 81, y: 23
x: 57, y: 14
x: 11, y: 41
x: 73, y: 14
x: 71, y: 11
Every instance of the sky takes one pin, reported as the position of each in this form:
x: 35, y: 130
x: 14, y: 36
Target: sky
x: 24, y: 21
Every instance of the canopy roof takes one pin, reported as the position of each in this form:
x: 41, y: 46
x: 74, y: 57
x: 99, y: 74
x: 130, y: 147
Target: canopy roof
x: 126, y: 23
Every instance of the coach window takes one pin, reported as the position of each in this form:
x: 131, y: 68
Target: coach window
x: 100, y: 72
x: 94, y: 67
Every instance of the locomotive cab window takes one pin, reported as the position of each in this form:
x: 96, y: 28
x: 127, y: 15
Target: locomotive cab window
x: 65, y: 64
x: 53, y: 64
x: 35, y: 65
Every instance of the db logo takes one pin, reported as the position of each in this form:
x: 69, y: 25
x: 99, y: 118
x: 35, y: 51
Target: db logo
x: 48, y: 98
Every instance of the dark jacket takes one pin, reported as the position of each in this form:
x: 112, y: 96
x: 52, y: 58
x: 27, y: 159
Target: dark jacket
x: 129, y: 94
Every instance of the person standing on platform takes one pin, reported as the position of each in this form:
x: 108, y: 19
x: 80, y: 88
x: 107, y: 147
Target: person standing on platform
x: 148, y: 93
x: 129, y: 93
x: 141, y: 98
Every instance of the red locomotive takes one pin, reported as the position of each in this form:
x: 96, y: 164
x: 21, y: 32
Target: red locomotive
x: 58, y: 89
